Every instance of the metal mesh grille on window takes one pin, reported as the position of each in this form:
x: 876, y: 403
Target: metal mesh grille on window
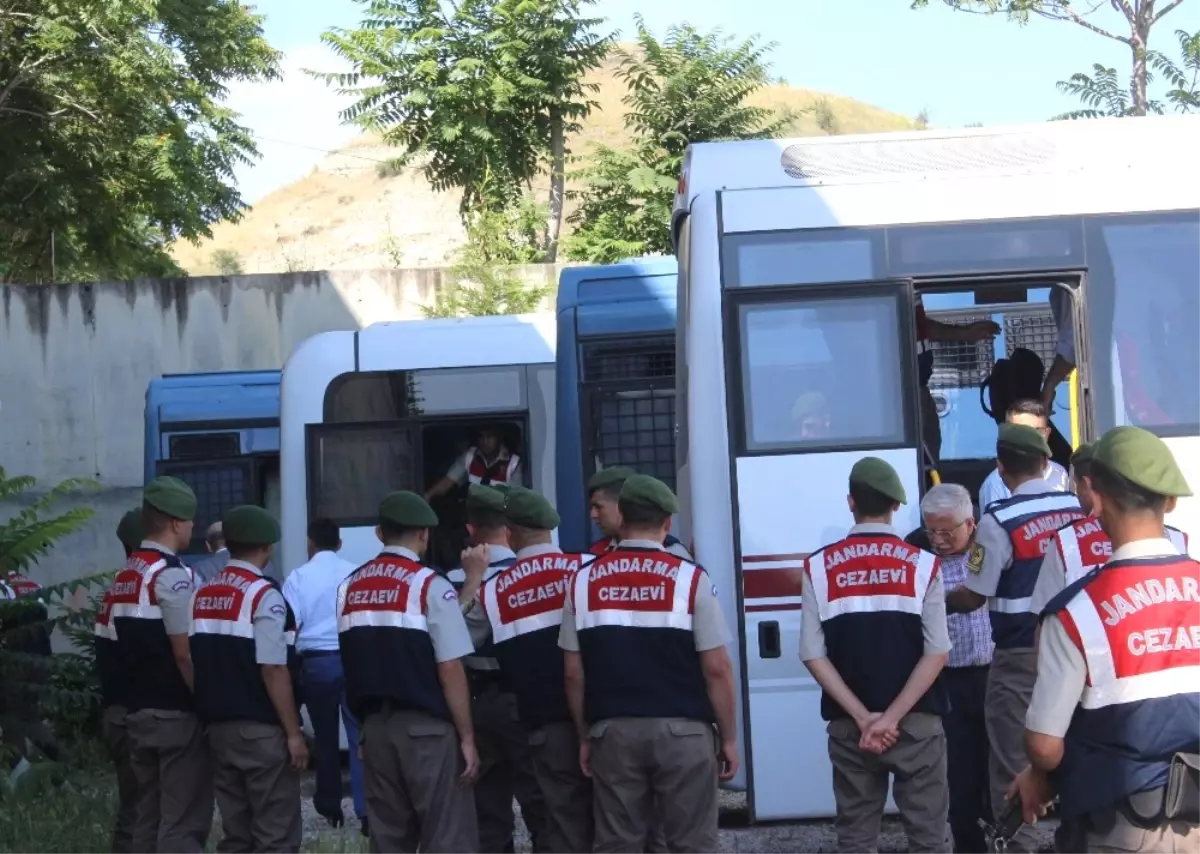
x: 359, y: 468
x: 653, y: 361
x: 636, y: 428
x: 1036, y: 332
x: 904, y: 156
x: 206, y: 445
x: 217, y: 488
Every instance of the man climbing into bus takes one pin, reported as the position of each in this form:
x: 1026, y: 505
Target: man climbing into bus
x: 928, y: 331
x: 604, y: 489
x: 488, y: 462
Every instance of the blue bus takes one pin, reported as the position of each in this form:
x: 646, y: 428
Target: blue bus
x: 616, y: 380
x: 219, y: 432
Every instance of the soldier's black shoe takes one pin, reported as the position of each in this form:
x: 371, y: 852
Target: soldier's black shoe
x: 364, y: 827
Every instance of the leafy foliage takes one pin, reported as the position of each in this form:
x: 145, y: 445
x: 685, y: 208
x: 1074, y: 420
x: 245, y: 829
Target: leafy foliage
x: 689, y: 87
x: 114, y: 136
x: 484, y: 280
x: 38, y: 686
x: 1103, y: 94
x: 227, y: 262
x: 1131, y: 26
x: 482, y: 92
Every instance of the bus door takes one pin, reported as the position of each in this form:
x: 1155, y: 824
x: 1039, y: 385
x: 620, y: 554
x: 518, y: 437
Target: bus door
x: 826, y: 375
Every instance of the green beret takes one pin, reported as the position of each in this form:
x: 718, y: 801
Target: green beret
x: 172, y: 496
x: 485, y: 498
x: 809, y: 403
x: 530, y: 509
x: 131, y: 530
x: 1084, y: 454
x: 876, y: 474
x: 249, y: 525
x: 406, y: 509
x: 605, y: 478
x: 1027, y: 440
x: 1143, y: 459
x: 643, y: 489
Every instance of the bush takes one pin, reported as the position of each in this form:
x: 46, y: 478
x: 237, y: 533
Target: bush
x: 227, y: 262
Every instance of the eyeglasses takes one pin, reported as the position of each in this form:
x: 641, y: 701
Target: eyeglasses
x: 935, y: 534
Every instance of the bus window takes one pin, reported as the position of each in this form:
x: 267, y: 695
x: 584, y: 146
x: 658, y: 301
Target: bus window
x: 1144, y: 283
x: 821, y: 374
x: 353, y: 468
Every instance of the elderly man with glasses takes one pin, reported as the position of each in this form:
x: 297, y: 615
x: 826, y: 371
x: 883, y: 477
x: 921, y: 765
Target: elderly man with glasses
x: 949, y: 521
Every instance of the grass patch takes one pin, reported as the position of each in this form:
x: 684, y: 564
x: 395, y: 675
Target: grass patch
x: 77, y: 814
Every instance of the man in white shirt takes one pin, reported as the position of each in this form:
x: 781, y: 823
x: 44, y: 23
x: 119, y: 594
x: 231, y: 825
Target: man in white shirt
x: 1031, y: 413
x: 311, y: 591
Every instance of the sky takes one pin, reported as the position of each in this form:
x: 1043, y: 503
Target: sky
x: 960, y: 68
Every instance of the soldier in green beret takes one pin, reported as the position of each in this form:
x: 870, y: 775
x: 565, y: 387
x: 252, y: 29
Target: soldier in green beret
x: 604, y: 490
x: 1013, y: 537
x: 873, y: 635
x: 506, y: 768
x: 1111, y: 728
x: 130, y: 532
x: 644, y: 629
x: 1082, y: 545
x: 245, y: 693
x: 402, y: 639
x: 151, y: 616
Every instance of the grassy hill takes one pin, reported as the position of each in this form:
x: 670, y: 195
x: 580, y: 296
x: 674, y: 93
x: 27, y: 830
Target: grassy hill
x: 348, y: 214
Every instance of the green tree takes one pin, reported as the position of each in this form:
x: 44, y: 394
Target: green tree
x: 115, y: 139
x: 485, y: 279
x: 689, y: 87
x: 482, y: 92
x: 227, y: 262
x: 37, y: 686
x: 1131, y: 26
x: 1103, y: 94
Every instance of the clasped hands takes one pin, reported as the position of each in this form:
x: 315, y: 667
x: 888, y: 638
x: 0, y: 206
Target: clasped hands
x: 879, y: 733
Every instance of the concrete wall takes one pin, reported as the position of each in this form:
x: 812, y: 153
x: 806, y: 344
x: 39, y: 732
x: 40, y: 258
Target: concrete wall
x: 75, y: 361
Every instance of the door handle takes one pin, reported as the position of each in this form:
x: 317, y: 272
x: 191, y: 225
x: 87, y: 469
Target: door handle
x: 768, y: 639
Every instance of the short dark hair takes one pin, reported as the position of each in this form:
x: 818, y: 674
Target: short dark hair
x: 392, y: 531
x: 611, y: 491
x: 1083, y: 468
x: 1027, y: 406
x: 485, y: 518
x: 155, y: 520
x: 237, y: 551
x: 641, y: 515
x: 324, y: 534
x: 1124, y: 493
x: 870, y: 501
x: 1019, y: 463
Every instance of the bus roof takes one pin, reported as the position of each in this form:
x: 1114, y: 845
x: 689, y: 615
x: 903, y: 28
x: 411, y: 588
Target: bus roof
x: 1104, y: 145
x: 222, y: 396
x: 626, y: 280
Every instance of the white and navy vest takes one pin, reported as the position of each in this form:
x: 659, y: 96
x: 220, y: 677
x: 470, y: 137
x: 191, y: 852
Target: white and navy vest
x: 146, y: 656
x: 228, y: 678
x: 634, y: 611
x: 1083, y: 546
x: 524, y: 605
x: 383, y: 633
x: 870, y: 592
x: 114, y: 686
x: 1030, y: 522
x: 1137, y: 625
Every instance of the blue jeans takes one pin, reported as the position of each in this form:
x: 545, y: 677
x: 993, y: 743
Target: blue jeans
x: 325, y: 697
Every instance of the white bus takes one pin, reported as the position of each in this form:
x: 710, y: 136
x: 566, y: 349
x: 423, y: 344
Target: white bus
x: 799, y: 264
x: 391, y: 406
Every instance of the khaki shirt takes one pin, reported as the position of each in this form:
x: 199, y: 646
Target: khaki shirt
x: 997, y: 546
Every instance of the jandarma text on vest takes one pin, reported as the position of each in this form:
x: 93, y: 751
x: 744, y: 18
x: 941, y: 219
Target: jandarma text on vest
x: 530, y: 566
x: 852, y: 550
x: 1036, y: 529
x: 1147, y: 593
x: 648, y: 565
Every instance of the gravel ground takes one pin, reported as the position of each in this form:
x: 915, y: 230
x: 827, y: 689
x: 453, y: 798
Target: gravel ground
x: 736, y: 836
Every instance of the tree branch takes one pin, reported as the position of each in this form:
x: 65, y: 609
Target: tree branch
x: 1165, y: 10
x: 1125, y: 9
x: 1075, y: 18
